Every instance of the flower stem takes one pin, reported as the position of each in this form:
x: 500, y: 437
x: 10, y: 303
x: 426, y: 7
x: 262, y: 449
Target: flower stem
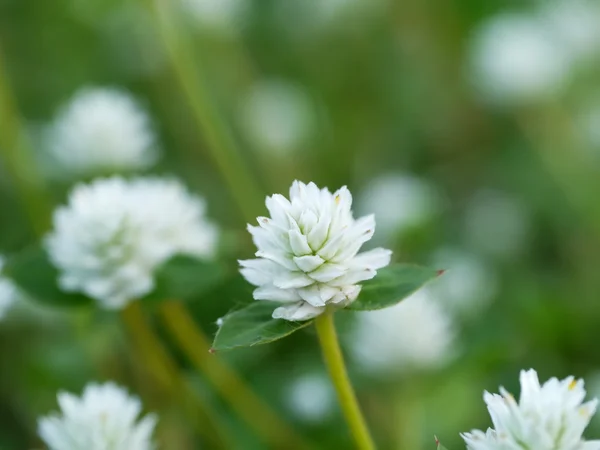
x: 337, y: 371
x: 162, y: 366
x: 194, y: 343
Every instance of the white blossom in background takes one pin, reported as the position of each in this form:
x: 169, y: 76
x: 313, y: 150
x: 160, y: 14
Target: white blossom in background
x: 99, y: 130
x: 551, y: 416
x: 221, y: 17
x: 516, y: 59
x: 307, y: 254
x: 8, y: 291
x: 399, y: 202
x: 497, y: 224
x: 576, y: 26
x: 310, y: 397
x: 277, y: 117
x: 416, y: 334
x: 468, y: 283
x: 113, y: 233
x: 105, y: 417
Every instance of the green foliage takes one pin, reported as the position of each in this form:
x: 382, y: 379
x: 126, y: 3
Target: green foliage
x: 392, y: 285
x: 33, y: 273
x: 184, y: 278
x: 253, y: 325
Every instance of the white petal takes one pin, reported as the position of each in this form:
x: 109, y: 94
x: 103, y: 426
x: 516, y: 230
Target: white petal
x: 280, y: 258
x: 327, y: 272
x: 260, y: 271
x: 355, y: 237
x: 299, y: 243
x: 278, y: 207
x: 353, y: 277
x: 292, y: 280
x: 318, y: 234
x: 297, y: 312
x: 312, y: 295
x: 308, y: 263
x: 275, y: 294
x: 373, y: 259
x: 308, y: 219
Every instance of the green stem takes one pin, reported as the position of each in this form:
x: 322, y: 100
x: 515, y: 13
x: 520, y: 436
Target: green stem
x: 337, y: 371
x: 251, y: 408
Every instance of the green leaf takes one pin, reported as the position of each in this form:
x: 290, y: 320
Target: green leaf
x: 253, y: 325
x: 185, y: 277
x: 391, y: 285
x: 33, y: 273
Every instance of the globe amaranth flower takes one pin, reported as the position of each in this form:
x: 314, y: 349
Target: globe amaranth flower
x: 100, y: 130
x: 8, y: 291
x: 415, y: 334
x: 307, y: 254
x: 105, y: 417
x: 113, y: 234
x: 551, y: 416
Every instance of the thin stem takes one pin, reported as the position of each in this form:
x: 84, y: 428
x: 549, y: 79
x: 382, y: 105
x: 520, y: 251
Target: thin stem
x: 337, y: 371
x: 219, y: 139
x: 165, y: 370
x: 194, y: 343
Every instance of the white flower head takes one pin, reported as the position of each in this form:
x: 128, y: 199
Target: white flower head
x: 308, y: 254
x: 8, y: 291
x: 416, y: 334
x: 551, y: 416
x: 515, y: 59
x: 100, y: 130
x: 104, y: 417
x: 114, y: 233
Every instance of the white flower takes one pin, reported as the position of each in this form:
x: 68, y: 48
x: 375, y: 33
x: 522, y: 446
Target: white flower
x: 399, y: 202
x: 308, y: 252
x: 8, y: 291
x: 548, y: 417
x: 112, y: 235
x: 277, y: 116
x: 101, y: 130
x: 310, y: 397
x: 415, y: 334
x: 105, y: 417
x: 516, y: 59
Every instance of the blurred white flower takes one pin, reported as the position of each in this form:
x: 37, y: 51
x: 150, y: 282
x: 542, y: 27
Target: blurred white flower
x: 114, y: 232
x: 468, y: 283
x: 224, y: 17
x: 547, y: 417
x: 516, y: 59
x: 497, y: 224
x: 576, y: 26
x: 416, y: 334
x: 101, y: 130
x: 105, y: 417
x: 310, y: 397
x: 308, y: 252
x: 277, y: 117
x: 399, y: 202
x: 8, y: 291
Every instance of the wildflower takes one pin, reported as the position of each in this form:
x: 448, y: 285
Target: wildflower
x: 551, y: 416
x: 307, y: 254
x: 101, y: 130
x: 114, y: 233
x: 415, y: 334
x: 104, y: 417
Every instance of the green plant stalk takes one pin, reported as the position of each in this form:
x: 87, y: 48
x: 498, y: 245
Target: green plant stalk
x: 217, y: 135
x: 194, y: 343
x: 166, y: 372
x: 339, y: 376
x: 19, y: 160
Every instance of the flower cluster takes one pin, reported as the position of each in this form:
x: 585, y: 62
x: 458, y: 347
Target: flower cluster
x: 551, y: 416
x: 99, y: 130
x: 105, y: 417
x: 307, y: 254
x: 112, y: 235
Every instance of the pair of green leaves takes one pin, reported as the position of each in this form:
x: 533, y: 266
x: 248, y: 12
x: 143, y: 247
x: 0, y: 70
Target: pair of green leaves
x: 253, y: 324
x: 181, y: 277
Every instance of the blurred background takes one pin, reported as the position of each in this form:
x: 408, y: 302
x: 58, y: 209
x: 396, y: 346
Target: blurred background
x: 471, y: 129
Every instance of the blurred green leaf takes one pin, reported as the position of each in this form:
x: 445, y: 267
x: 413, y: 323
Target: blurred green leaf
x: 184, y: 277
x: 253, y: 325
x: 391, y: 285
x: 33, y: 273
